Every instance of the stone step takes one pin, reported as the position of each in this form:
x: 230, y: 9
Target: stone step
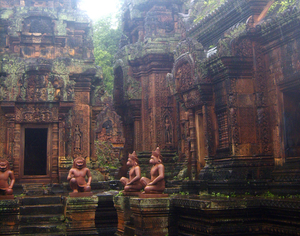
x: 41, y: 219
x: 129, y: 230
x: 172, y: 190
x: 42, y: 209
x: 43, y: 200
x: 53, y: 229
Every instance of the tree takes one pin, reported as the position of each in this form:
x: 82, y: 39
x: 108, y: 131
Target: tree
x: 106, y: 41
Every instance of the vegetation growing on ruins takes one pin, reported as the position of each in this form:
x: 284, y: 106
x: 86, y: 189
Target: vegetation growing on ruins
x: 106, y: 40
x: 201, y: 8
x: 282, y: 5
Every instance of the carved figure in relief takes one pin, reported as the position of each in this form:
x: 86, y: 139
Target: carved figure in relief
x: 157, y: 182
x: 5, y: 175
x: 133, y: 183
x: 168, y: 130
x: 77, y: 174
x: 77, y: 138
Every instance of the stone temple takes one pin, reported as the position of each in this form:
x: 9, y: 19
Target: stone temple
x: 214, y: 84
x: 53, y: 105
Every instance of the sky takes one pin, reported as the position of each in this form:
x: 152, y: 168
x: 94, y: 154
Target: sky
x: 99, y: 8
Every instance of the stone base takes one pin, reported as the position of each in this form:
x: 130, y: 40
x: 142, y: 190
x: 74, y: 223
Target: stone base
x: 122, y: 205
x: 153, y: 195
x: 81, y: 194
x: 131, y: 193
x: 151, y: 216
x: 6, y: 197
x: 9, y: 217
x: 80, y: 215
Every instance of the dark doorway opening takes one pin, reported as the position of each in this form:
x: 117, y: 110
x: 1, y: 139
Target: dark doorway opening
x: 35, y: 153
x: 292, y: 124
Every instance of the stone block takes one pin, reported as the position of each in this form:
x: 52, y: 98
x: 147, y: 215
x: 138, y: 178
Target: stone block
x: 122, y: 205
x: 80, y: 215
x: 151, y: 216
x: 9, y: 217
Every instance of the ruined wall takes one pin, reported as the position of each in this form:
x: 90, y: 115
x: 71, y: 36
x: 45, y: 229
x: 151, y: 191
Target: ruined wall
x: 47, y: 71
x: 232, y: 89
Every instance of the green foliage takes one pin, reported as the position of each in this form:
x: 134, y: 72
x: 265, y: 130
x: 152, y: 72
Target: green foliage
x: 106, y: 156
x: 213, y: 194
x: 268, y: 194
x: 106, y: 40
x: 120, y: 193
x: 202, y: 8
x: 280, y: 5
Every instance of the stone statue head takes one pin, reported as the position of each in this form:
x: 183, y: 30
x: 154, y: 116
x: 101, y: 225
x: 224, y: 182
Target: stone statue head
x: 156, y: 157
x: 79, y: 163
x: 4, y: 165
x: 132, y: 159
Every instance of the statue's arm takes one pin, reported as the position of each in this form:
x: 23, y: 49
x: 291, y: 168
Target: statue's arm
x: 161, y: 175
x: 70, y: 175
x: 89, y: 175
x: 12, y: 179
x: 137, y: 177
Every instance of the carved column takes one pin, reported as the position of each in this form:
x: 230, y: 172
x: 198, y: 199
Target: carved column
x: 10, y: 134
x: 192, y: 145
x: 64, y: 159
x: 16, y: 152
x: 62, y: 141
x: 55, y: 151
x: 136, y: 111
x: 137, y: 132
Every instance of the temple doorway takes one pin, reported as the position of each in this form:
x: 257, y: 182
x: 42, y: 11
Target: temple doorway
x: 291, y: 123
x: 35, y: 151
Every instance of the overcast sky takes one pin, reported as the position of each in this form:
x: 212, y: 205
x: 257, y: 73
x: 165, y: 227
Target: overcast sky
x: 98, y: 8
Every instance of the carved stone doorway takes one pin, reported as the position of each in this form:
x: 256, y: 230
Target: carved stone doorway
x: 35, y: 151
x: 35, y: 159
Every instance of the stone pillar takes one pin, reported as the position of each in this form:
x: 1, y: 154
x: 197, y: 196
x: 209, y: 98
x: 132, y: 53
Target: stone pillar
x: 151, y: 216
x: 122, y: 205
x: 9, y: 217
x: 16, y: 154
x: 55, y: 152
x: 80, y: 215
x: 192, y: 145
x: 137, y: 131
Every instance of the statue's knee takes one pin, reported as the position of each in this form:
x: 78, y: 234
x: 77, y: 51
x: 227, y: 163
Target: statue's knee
x: 9, y: 191
x: 123, y: 180
x: 87, y: 189
x: 147, y: 189
x: 73, y: 181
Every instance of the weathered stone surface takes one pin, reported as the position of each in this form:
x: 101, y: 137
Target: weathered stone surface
x: 122, y: 205
x: 49, y: 81
x: 80, y: 215
x: 9, y: 217
x: 151, y: 216
x: 106, y: 218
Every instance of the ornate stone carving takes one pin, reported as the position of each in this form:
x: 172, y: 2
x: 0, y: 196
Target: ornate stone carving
x: 34, y: 113
x: 77, y: 139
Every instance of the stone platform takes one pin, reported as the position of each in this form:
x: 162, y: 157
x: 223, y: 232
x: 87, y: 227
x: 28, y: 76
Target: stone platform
x: 80, y: 215
x: 143, y: 216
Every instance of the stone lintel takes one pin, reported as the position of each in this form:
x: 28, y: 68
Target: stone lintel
x: 8, y: 107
